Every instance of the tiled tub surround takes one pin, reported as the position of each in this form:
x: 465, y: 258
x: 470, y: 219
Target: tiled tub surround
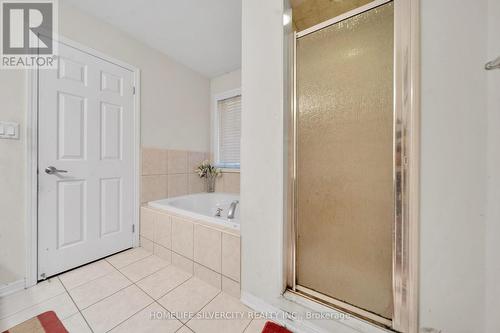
x: 170, y: 173
x: 209, y: 252
x: 228, y: 182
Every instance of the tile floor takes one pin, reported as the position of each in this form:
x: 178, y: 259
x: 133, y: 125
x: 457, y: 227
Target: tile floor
x: 133, y: 291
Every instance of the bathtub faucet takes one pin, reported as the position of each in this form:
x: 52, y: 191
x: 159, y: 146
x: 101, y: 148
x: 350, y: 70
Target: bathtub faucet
x: 232, y: 209
x: 218, y: 212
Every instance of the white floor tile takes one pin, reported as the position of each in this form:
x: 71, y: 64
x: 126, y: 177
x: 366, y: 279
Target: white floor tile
x: 189, y: 298
x: 85, y: 274
x: 115, y: 309
x: 76, y: 324
x: 256, y: 326
x: 24, y: 299
x: 95, y: 290
x: 231, y: 287
x: 150, y: 320
x: 62, y: 305
x: 128, y: 257
x: 184, y: 329
x: 163, y: 281
x: 204, y: 321
x: 144, y: 267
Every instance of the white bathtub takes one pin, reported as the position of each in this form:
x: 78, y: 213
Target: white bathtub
x: 202, y: 206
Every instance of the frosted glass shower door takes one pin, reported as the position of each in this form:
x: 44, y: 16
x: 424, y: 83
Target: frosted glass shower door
x: 345, y: 197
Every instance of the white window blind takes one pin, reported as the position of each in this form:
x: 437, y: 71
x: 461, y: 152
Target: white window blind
x: 229, y: 110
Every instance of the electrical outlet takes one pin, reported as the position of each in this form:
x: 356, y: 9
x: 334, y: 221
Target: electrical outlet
x: 9, y: 130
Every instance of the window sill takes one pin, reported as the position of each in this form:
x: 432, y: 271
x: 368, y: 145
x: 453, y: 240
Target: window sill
x: 228, y: 167
x: 230, y: 170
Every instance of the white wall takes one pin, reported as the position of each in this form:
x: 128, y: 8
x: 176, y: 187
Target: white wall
x: 262, y: 148
x: 454, y: 156
x: 12, y: 152
x: 453, y: 182
x: 174, y: 99
x: 174, y: 115
x: 225, y: 82
x: 492, y: 323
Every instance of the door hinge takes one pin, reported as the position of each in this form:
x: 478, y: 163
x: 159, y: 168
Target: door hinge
x: 133, y: 90
x: 133, y: 228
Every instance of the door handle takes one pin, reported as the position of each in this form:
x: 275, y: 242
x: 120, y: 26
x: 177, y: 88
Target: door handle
x: 52, y: 170
x: 494, y: 64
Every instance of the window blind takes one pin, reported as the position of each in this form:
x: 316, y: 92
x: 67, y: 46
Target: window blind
x: 229, y: 130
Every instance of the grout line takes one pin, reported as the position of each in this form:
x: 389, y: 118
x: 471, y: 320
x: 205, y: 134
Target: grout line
x: 171, y: 312
x: 167, y: 291
x: 134, y: 283
x: 76, y: 306
x: 154, y: 300
x: 230, y: 278
x: 156, y: 271
x: 173, y: 316
x: 194, y: 230
x: 121, y: 322
x: 131, y: 284
x: 141, y: 236
x: 187, y: 322
x: 180, y: 284
x: 127, y: 286
x: 221, y: 256
x: 246, y: 327
x: 92, y: 279
x: 38, y: 303
x: 187, y: 327
x: 133, y: 262
x: 102, y: 299
x: 146, y: 276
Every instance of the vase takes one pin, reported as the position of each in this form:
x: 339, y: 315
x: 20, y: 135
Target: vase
x: 210, y: 181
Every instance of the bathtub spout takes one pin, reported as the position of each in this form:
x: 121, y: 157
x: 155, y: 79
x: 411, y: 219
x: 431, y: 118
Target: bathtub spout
x: 232, y: 209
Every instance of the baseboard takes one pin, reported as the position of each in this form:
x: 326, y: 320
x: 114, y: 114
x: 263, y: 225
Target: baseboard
x: 12, y: 287
x: 262, y: 306
x: 287, y: 312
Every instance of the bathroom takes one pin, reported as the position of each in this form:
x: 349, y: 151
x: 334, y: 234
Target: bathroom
x: 210, y: 182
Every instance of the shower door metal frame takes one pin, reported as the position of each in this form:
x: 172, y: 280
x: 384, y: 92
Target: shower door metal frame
x: 406, y: 161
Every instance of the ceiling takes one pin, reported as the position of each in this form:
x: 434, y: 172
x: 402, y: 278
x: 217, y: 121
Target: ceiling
x: 307, y: 13
x: 203, y: 35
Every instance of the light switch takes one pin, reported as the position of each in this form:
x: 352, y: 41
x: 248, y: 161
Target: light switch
x: 9, y: 130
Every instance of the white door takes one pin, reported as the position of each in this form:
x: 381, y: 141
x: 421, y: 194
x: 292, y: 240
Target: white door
x: 86, y: 131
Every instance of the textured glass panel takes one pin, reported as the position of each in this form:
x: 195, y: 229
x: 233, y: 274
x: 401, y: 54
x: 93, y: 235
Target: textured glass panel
x: 345, y: 160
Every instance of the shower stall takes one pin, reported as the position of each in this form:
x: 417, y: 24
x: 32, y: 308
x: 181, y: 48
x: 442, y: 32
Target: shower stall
x: 351, y: 135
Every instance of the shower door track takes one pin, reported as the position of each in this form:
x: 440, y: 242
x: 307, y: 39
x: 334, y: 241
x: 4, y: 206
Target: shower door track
x: 337, y: 304
x: 406, y: 127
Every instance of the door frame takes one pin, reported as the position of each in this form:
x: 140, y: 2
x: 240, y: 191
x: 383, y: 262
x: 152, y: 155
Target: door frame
x: 31, y: 165
x: 407, y: 110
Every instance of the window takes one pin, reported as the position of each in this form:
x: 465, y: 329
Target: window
x: 228, y: 130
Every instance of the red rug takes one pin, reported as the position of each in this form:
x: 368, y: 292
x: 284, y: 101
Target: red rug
x: 46, y: 322
x: 271, y: 327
